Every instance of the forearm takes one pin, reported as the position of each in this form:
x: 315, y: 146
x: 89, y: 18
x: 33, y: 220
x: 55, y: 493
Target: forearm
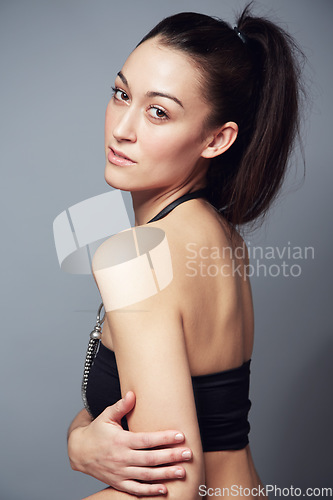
x: 82, y: 419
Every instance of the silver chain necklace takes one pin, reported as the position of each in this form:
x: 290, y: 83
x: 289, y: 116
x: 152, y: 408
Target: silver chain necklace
x: 94, y: 340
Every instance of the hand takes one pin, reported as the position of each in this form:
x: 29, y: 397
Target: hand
x: 104, y: 450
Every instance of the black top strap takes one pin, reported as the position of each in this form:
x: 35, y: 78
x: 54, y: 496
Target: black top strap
x: 200, y: 193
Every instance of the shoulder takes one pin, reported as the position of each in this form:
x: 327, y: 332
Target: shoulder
x: 196, y: 227
x: 132, y: 266
x: 194, y: 222
x: 141, y: 262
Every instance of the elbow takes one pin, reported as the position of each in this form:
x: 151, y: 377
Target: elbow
x: 187, y: 491
x: 194, y: 490
x: 189, y: 487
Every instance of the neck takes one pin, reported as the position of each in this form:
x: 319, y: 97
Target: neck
x: 147, y: 204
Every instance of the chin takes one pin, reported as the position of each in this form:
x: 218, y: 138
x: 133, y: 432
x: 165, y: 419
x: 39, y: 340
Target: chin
x: 118, y: 179
x: 126, y: 180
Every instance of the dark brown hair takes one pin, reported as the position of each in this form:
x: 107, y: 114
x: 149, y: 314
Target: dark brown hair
x: 253, y: 79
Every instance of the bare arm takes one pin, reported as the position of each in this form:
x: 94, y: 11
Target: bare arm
x: 82, y: 419
x: 102, y: 449
x: 152, y: 344
x: 150, y: 348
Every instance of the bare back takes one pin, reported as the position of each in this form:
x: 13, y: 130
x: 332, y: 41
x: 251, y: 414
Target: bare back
x: 218, y: 316
x: 217, y: 313
x: 217, y: 307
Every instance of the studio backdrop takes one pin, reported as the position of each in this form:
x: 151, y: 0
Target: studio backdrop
x: 58, y: 63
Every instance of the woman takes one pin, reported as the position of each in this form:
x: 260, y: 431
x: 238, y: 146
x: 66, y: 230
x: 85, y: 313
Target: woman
x: 203, y: 110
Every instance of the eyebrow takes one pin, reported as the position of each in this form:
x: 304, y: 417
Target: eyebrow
x: 162, y: 94
x: 152, y: 93
x: 123, y: 78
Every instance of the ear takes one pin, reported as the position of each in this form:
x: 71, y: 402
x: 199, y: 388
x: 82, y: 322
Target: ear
x: 220, y: 140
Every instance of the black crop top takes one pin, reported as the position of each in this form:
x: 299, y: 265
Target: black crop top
x: 221, y: 399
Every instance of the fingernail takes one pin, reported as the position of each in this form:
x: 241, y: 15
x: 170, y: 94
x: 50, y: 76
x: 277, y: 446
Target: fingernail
x: 179, y: 436
x: 179, y: 473
x: 186, y: 454
x: 161, y: 491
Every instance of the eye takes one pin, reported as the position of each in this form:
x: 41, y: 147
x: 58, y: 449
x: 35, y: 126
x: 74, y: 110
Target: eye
x: 157, y: 113
x: 119, y: 94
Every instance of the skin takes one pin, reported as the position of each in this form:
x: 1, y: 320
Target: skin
x: 102, y: 449
x: 171, y: 153
x: 205, y: 323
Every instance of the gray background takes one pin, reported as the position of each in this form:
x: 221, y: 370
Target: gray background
x: 58, y: 61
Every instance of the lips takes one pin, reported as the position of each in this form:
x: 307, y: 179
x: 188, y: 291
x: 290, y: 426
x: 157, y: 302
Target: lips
x: 121, y: 155
x: 118, y: 158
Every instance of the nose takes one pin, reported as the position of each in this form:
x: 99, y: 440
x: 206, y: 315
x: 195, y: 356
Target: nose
x: 124, y: 129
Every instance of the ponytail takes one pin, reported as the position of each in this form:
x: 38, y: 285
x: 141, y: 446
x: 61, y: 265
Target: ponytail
x: 253, y: 75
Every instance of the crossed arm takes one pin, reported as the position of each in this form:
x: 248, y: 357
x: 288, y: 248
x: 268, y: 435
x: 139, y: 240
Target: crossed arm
x: 149, y: 343
x: 125, y: 460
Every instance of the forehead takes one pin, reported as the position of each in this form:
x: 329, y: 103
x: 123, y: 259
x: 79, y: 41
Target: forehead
x: 155, y: 67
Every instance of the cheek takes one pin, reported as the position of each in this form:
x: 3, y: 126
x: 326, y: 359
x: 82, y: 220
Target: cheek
x: 108, y: 116
x: 111, y: 118
x: 166, y: 144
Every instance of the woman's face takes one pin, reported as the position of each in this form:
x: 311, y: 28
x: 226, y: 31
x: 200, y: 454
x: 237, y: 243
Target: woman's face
x: 154, y: 122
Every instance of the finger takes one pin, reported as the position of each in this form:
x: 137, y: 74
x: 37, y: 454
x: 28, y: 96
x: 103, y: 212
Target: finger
x: 142, y: 489
x: 117, y: 411
x: 144, y: 440
x: 148, y: 474
x: 158, y: 457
